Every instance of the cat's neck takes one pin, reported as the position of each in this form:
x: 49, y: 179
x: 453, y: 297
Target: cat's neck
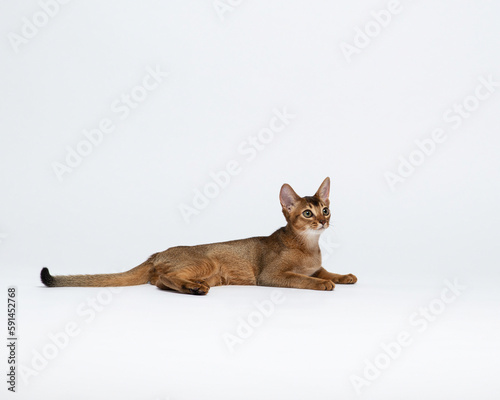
x: 308, y: 241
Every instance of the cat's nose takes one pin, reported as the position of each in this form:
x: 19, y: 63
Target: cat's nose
x: 323, y: 222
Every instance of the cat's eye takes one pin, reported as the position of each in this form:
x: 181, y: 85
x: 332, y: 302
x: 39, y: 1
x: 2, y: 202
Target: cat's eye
x: 307, y: 213
x: 326, y: 211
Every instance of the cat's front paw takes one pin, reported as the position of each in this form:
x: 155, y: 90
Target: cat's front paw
x: 326, y: 285
x: 348, y: 279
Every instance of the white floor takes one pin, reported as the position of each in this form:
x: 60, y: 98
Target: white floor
x: 142, y: 343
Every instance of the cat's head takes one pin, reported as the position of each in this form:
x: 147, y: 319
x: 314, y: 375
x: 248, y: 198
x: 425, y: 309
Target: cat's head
x: 309, y: 214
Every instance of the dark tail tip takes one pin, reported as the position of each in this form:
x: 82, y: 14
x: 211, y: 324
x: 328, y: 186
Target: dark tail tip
x: 47, y: 279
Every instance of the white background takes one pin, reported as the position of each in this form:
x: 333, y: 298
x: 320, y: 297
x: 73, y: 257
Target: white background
x: 353, y: 121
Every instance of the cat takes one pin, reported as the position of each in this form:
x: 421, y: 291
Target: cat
x: 289, y: 258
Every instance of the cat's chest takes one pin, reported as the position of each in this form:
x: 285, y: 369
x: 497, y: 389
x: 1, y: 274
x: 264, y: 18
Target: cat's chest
x: 308, y: 265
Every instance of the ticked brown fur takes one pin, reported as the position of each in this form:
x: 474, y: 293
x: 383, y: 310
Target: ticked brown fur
x: 290, y: 257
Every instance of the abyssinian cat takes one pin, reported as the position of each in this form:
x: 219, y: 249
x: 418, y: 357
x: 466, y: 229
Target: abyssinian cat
x: 290, y: 257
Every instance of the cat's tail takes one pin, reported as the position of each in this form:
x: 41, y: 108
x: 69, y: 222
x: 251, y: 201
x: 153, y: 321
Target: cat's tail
x: 136, y: 276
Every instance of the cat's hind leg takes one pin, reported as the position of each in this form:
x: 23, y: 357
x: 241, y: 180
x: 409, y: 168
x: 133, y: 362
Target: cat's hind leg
x: 190, y: 276
x: 189, y: 286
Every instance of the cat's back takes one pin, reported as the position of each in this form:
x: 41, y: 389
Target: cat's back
x: 249, y: 248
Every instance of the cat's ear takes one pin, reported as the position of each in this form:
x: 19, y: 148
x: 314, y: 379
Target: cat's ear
x: 288, y: 197
x: 324, y: 190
